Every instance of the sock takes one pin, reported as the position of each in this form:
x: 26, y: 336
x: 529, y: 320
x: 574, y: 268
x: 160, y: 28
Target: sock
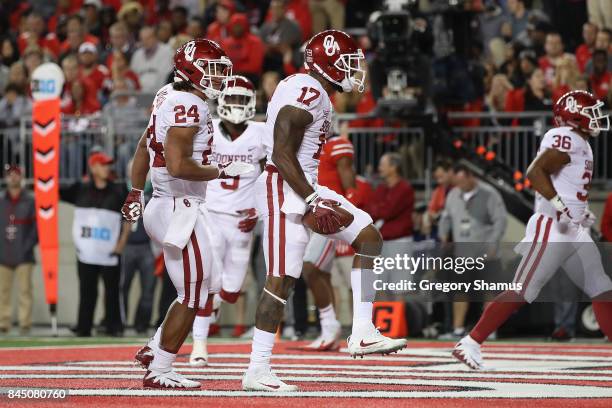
x: 154, y: 341
x: 362, y: 311
x: 327, y: 315
x: 496, y: 314
x: 200, y: 327
x: 603, y: 313
x: 263, y: 342
x: 162, y: 361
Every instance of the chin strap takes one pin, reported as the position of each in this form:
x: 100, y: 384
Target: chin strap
x: 283, y: 301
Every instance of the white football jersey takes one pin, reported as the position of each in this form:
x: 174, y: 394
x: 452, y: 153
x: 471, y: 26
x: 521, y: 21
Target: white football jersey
x: 178, y: 109
x: 573, y: 181
x: 304, y: 92
x: 235, y: 194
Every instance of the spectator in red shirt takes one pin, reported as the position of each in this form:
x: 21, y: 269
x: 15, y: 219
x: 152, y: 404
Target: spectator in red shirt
x: 96, y: 73
x: 606, y: 220
x: 121, y: 70
x: 603, y: 41
x: 218, y: 29
x: 76, y: 34
x: 601, y: 77
x: 533, y: 97
x: 554, y: 52
x: 83, y: 100
x: 34, y: 35
x: 245, y: 49
x: 394, y: 200
x: 585, y: 50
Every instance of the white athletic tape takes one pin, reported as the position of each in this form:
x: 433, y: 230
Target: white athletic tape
x: 283, y: 301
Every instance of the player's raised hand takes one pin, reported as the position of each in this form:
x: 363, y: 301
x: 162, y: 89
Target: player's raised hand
x: 133, y: 207
x: 249, y: 221
x: 234, y: 168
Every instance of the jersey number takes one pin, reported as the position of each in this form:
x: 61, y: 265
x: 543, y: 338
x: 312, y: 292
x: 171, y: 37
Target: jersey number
x: 181, y: 115
x: 564, y: 142
x: 231, y: 186
x: 308, y: 95
x: 587, y: 186
x: 321, y: 144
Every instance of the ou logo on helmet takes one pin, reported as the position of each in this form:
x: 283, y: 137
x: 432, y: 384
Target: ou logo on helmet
x: 571, y: 105
x: 190, y: 50
x: 331, y: 45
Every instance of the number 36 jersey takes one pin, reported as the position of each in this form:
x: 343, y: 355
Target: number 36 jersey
x: 304, y: 92
x: 573, y: 181
x: 173, y: 108
x: 235, y: 194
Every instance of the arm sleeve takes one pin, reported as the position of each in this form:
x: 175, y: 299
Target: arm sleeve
x: 499, y: 216
x: 339, y: 150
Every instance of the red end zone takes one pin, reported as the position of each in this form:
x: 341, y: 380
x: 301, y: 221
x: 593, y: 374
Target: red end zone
x: 555, y: 375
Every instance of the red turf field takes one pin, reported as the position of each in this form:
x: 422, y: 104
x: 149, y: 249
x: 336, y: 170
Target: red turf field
x: 538, y: 374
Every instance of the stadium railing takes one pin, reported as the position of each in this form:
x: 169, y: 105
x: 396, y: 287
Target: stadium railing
x: 117, y: 130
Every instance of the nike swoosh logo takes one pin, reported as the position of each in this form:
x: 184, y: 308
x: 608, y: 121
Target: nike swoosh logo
x: 275, y: 387
x: 362, y: 344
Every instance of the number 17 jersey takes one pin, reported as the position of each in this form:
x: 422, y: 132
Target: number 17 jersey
x: 304, y: 92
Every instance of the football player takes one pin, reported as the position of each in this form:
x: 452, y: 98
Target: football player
x: 231, y: 201
x: 561, y: 176
x: 177, y: 147
x: 335, y: 172
x: 298, y: 121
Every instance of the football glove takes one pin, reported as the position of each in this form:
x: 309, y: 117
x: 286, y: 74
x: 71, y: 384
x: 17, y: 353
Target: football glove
x: 249, y: 221
x: 133, y: 207
x: 234, y: 168
x: 328, y: 221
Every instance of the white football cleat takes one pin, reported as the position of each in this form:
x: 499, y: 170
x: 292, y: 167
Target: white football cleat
x: 264, y: 380
x: 468, y: 352
x: 329, y: 340
x: 168, y: 380
x: 373, y: 342
x: 199, y: 354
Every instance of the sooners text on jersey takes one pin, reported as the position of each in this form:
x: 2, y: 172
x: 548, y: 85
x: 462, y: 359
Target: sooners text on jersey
x: 235, y: 194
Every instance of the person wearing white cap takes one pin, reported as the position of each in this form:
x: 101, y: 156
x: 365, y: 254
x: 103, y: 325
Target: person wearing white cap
x: 96, y: 73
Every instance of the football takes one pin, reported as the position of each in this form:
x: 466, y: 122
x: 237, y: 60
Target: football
x: 309, y: 220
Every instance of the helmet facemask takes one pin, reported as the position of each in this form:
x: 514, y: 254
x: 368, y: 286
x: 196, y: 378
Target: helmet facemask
x: 354, y: 74
x: 598, y: 121
x: 214, y: 72
x: 236, y: 104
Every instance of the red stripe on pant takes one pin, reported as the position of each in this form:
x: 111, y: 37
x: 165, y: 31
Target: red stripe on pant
x: 208, y: 307
x: 199, y: 269
x: 270, y: 223
x: 281, y: 226
x: 538, y: 258
x: 533, y: 245
x: 328, y: 247
x: 186, y: 275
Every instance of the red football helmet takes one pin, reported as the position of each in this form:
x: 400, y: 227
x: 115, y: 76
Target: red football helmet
x: 334, y: 55
x: 581, y: 110
x: 237, y: 100
x: 203, y: 64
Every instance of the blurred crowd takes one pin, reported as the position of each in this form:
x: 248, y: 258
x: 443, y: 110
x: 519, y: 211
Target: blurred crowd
x: 491, y: 55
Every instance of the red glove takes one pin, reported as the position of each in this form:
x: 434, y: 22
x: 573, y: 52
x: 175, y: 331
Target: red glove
x: 249, y: 221
x: 327, y: 219
x: 133, y: 207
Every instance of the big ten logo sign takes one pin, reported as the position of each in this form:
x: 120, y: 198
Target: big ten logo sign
x: 101, y: 234
x: 47, y: 81
x: 45, y: 86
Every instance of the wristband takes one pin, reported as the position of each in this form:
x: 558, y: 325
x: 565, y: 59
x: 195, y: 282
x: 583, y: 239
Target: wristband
x: 311, y: 198
x: 136, y: 189
x: 558, y: 203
